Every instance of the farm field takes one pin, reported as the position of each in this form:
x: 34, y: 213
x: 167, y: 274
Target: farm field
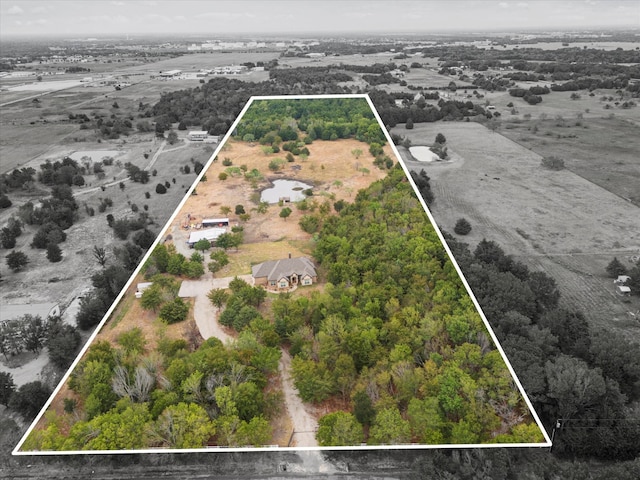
x: 556, y: 221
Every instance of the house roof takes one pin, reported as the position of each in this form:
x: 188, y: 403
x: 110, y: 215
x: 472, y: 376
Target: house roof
x: 10, y: 312
x: 209, y: 234
x: 277, y: 269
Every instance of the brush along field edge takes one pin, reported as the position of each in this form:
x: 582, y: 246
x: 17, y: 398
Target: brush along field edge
x: 547, y: 441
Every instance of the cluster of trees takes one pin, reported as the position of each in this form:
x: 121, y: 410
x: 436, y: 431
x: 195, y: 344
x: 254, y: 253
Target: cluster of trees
x: 178, y: 396
x: 65, y: 172
x: 531, y: 96
x: 420, y: 112
x: 60, y: 208
x: 616, y: 268
x: 588, y: 378
x: 165, y: 259
x: 19, y: 178
x: 32, y: 333
x: 308, y: 75
x: 136, y: 173
x: 394, y: 334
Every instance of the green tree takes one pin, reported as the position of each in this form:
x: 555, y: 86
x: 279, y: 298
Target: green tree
x: 16, y: 260
x: 132, y: 341
x: 363, y: 408
x: 255, y: 432
x: 175, y: 311
x: 152, y: 298
x: 185, y: 425
x: 425, y: 420
x: 339, y: 429
x: 285, y: 212
x: 218, y: 297
x: 202, y: 245
x: 440, y: 138
x: 389, y: 428
x: 123, y: 428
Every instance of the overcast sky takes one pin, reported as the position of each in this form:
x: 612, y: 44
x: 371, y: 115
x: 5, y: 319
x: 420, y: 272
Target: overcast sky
x: 99, y: 17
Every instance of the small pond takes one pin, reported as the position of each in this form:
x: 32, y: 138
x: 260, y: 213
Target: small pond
x: 285, y: 188
x: 423, y: 154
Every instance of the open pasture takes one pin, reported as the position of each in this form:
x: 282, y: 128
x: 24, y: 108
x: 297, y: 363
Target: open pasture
x: 554, y: 221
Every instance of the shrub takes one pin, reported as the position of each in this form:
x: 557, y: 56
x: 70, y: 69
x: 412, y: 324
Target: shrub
x: 462, y: 227
x: 54, y: 254
x: 175, y: 311
x: 553, y: 163
x: 161, y: 189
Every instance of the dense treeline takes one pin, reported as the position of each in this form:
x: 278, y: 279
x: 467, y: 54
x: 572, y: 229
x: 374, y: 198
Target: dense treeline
x: 310, y: 75
x: 588, y: 379
x: 215, y: 105
x: 563, y: 55
x: 394, y: 335
x: 333, y: 118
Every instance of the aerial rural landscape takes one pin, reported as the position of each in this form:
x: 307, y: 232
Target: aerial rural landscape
x: 525, y: 148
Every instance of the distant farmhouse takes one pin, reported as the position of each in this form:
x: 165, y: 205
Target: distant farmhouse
x: 16, y: 311
x: 285, y: 274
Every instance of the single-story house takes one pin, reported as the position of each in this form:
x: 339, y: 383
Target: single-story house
x: 284, y: 274
x: 18, y: 310
x: 198, y: 135
x: 210, y: 234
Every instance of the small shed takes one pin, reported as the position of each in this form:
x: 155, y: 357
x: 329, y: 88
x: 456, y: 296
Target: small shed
x: 141, y: 287
x: 623, y: 291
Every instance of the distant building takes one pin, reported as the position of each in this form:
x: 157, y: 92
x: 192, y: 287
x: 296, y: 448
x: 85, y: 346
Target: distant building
x: 622, y: 279
x: 284, y: 274
x: 15, y: 311
x: 198, y: 135
x: 170, y: 74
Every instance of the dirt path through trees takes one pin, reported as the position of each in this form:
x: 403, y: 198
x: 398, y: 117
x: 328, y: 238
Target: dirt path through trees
x: 304, y: 424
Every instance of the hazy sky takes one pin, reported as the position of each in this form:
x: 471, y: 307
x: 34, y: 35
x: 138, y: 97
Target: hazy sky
x: 98, y: 17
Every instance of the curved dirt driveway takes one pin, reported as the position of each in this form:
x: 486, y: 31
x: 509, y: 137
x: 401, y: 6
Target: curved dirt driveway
x: 205, y: 314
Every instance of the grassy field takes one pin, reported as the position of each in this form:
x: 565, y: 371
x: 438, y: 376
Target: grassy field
x: 554, y: 221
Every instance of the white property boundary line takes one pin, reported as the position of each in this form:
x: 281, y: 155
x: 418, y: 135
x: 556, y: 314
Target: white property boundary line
x: 546, y: 443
